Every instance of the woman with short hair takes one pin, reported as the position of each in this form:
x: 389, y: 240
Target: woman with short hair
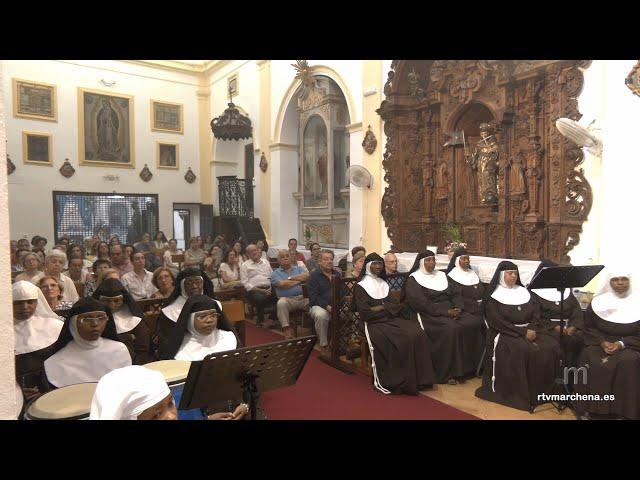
x: 54, y: 265
x: 173, y: 250
x: 31, y: 266
x: 229, y: 273
x: 53, y: 291
x: 98, y: 267
x: 164, y: 280
x: 194, y: 256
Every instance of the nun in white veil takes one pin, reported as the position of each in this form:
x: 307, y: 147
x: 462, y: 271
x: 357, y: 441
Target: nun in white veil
x: 520, y: 364
x: 36, y: 330
x: 612, y: 349
x: 399, y: 351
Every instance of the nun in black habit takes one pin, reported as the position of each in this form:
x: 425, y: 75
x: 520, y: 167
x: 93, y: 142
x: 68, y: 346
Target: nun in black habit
x: 612, y: 350
x: 190, y: 281
x: 549, y: 301
x: 88, y: 346
x: 464, y: 282
x: 399, y: 352
x: 519, y: 363
x: 132, y: 331
x: 456, y: 336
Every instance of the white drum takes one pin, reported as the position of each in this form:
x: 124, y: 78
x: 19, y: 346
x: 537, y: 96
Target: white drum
x: 72, y: 402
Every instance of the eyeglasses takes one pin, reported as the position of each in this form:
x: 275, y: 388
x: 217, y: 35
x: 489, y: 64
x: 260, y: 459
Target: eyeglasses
x: 93, y: 320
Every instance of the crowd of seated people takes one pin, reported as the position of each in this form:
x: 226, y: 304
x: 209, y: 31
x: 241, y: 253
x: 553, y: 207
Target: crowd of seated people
x: 76, y: 316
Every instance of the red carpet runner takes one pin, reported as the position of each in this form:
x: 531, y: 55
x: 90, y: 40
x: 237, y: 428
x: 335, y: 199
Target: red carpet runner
x: 324, y: 393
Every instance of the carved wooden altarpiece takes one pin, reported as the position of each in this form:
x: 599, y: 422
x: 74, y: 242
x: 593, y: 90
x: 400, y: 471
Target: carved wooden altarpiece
x: 543, y: 196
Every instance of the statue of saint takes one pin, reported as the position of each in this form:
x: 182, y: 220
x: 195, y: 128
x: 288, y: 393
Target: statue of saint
x: 517, y: 185
x: 442, y: 184
x: 484, y: 161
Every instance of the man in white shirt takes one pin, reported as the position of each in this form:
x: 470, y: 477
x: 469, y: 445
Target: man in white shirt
x: 139, y: 282
x: 255, y: 276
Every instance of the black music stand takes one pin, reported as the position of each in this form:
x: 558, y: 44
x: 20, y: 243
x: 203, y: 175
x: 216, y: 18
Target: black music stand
x: 562, y: 278
x: 245, y: 372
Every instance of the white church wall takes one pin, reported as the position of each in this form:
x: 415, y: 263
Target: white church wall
x: 32, y: 185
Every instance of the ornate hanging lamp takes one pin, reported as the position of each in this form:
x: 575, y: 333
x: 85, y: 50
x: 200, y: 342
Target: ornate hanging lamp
x: 231, y: 125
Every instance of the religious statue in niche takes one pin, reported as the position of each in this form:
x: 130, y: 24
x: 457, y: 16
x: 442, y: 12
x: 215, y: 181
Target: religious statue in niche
x: 484, y: 161
x: 517, y: 185
x: 315, y: 164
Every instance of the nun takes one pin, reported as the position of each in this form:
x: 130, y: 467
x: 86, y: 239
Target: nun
x: 612, y: 350
x: 399, y: 353
x: 549, y: 300
x: 139, y: 393
x: 88, y: 346
x: 456, y: 336
x: 190, y: 281
x: 464, y: 282
x: 36, y: 330
x: 132, y: 331
x: 520, y: 364
x: 202, y: 328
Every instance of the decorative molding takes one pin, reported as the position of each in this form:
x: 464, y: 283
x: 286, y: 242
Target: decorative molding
x: 67, y: 170
x: 145, y: 174
x: 370, y: 142
x: 190, y: 177
x: 263, y: 163
x: 283, y: 146
x: 222, y: 162
x: 354, y: 127
x: 208, y: 67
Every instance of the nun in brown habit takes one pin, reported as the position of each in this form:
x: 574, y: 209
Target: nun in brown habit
x: 399, y: 353
x: 520, y: 363
x: 612, y: 351
x: 456, y: 335
x: 549, y: 300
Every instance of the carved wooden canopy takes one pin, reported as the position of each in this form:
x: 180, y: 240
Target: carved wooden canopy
x: 543, y: 197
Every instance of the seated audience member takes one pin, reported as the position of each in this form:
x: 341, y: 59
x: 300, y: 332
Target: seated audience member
x: 229, y: 273
x: 140, y: 281
x: 314, y: 260
x: 190, y: 281
x: 76, y: 251
x: 286, y: 280
x: 612, y: 350
x: 139, y: 393
x: 53, y: 291
x: 31, y: 267
x: 87, y: 348
x: 343, y: 264
x: 36, y: 330
x: 208, y: 243
x: 262, y: 245
x: 39, y: 244
x: 319, y: 289
x: 194, y: 256
x: 456, y: 337
x: 391, y: 267
x: 131, y: 330
x: 173, y: 250
x: 399, y: 347
x: 202, y: 328
x: 520, y: 365
x: 160, y: 245
x: 296, y: 256
x: 102, y: 251
x: 549, y: 301
x: 255, y: 275
x: 240, y: 252
x: 147, y: 247
x: 114, y: 240
x: 213, y: 261
x: 15, y: 262
x: 108, y: 273
x: 119, y: 261
x: 77, y: 272
x: 358, y: 263
x: 128, y: 250
x: 53, y: 267
x: 98, y: 267
x: 164, y: 281
x: 465, y: 283
x: 23, y: 244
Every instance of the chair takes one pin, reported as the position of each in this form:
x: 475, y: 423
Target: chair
x: 234, y: 311
x: 297, y: 317
x: 179, y: 259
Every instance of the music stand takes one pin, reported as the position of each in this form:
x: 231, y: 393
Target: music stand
x: 246, y: 371
x: 562, y: 278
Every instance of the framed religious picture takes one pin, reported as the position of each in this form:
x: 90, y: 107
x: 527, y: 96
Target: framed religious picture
x: 36, y: 148
x: 106, y: 129
x: 166, y: 117
x: 33, y: 100
x: 232, y: 85
x: 167, y: 155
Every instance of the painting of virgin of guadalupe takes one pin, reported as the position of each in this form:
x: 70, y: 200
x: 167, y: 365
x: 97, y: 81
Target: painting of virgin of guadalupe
x: 106, y: 129
x: 315, y: 175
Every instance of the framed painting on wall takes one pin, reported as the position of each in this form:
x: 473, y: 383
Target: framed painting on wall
x: 36, y: 148
x: 166, y: 117
x: 106, y: 129
x: 167, y: 155
x: 232, y: 85
x: 36, y: 101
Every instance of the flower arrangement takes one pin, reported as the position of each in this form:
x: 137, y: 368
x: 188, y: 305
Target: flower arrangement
x: 453, y: 233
